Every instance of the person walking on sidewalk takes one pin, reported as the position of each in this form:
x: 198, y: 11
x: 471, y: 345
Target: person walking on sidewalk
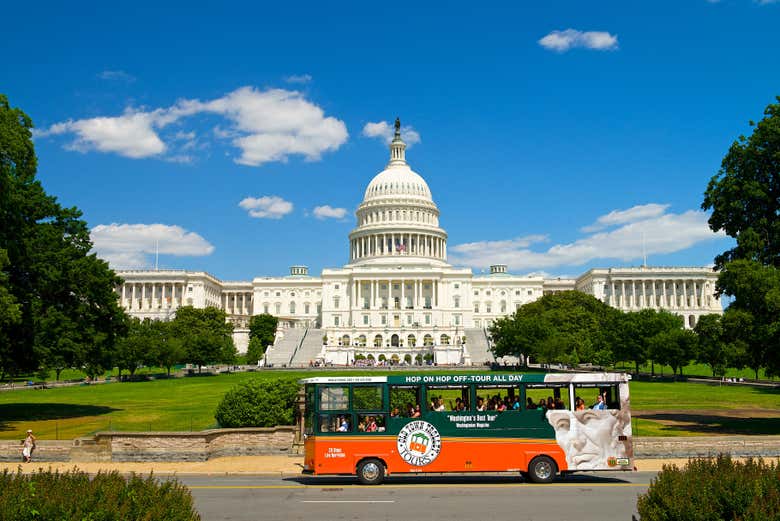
x: 28, y: 446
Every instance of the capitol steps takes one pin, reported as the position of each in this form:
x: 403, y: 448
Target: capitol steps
x: 279, y: 354
x: 310, y: 348
x: 478, y: 347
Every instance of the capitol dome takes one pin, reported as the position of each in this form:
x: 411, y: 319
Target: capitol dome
x: 397, y: 218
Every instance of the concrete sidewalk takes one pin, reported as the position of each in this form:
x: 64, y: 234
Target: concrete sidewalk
x: 248, y: 465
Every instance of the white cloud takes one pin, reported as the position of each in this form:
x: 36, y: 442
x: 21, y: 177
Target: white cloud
x: 562, y: 41
x: 328, y: 212
x: 298, y: 78
x: 116, y: 75
x: 385, y: 131
x: 130, y: 135
x: 266, y: 207
x: 633, y: 214
x: 656, y: 234
x: 131, y: 245
x: 265, y: 125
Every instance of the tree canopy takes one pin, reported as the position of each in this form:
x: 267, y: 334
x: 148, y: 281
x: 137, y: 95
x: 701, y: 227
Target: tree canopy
x: 745, y: 201
x: 567, y: 326
x: 744, y: 195
x: 205, y: 335
x: 57, y: 302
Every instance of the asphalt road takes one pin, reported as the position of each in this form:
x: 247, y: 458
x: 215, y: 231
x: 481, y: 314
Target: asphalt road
x: 580, y: 497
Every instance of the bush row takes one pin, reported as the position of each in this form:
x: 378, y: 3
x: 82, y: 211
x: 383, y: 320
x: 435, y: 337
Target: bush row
x: 259, y: 403
x: 713, y: 490
x: 73, y: 495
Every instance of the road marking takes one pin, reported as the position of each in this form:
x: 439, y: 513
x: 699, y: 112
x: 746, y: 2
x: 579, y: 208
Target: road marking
x: 348, y: 501
x: 422, y: 485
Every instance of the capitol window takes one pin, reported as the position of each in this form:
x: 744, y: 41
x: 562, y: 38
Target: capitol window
x: 457, y: 286
x: 517, y: 293
x: 476, y: 307
x: 336, y: 302
x: 306, y: 308
x: 278, y: 308
x: 335, y: 320
x: 365, y: 320
x: 427, y: 319
x: 530, y: 292
x: 278, y: 293
x: 384, y: 319
x: 488, y: 307
x: 457, y: 302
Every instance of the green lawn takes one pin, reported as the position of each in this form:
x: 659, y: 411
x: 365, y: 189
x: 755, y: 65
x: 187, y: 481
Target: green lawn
x: 184, y: 404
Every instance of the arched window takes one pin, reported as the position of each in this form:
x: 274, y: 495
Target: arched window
x: 503, y: 306
x: 292, y: 307
x: 445, y: 340
x: 362, y: 340
x: 427, y: 340
x: 345, y: 340
x: 378, y: 341
x: 411, y: 341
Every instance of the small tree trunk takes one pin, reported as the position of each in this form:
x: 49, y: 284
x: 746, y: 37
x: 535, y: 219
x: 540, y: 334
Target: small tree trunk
x: 652, y: 367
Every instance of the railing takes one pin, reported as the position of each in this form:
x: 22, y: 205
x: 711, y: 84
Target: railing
x: 297, y: 347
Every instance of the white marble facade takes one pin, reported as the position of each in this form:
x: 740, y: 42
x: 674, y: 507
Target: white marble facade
x: 398, y: 291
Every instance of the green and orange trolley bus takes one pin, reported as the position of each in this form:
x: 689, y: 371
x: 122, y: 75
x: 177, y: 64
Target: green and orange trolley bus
x: 538, y: 425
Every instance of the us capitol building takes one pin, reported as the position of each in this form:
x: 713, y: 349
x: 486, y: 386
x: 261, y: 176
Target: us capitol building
x: 398, y: 298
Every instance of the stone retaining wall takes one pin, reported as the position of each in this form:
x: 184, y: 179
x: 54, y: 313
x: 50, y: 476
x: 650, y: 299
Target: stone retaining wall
x: 689, y: 447
x: 160, y: 446
x: 204, y: 445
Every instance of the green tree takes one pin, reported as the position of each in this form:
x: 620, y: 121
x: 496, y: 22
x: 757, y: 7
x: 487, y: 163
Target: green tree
x: 136, y: 348
x: 713, y: 350
x: 674, y: 347
x: 167, y: 349
x: 559, y: 327
x: 744, y: 195
x: 754, y: 315
x: 263, y: 327
x: 255, y: 351
x: 10, y: 313
x: 635, y: 329
x: 69, y: 315
x: 205, y: 335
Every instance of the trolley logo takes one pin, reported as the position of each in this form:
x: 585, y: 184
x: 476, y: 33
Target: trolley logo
x: 419, y: 443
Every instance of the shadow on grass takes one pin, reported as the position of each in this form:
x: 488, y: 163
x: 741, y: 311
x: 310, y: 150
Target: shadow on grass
x: 713, y: 424
x: 14, y: 412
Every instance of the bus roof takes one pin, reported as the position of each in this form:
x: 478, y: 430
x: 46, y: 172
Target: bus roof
x: 484, y: 378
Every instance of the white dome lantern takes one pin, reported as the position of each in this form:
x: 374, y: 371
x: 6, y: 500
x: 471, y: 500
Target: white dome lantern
x: 397, y: 218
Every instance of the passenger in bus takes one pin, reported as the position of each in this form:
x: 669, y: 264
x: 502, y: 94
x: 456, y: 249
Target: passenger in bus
x: 410, y: 410
x: 371, y: 426
x: 344, y: 427
x: 601, y: 403
x: 529, y: 404
x: 395, y: 413
x: 579, y: 404
x: 550, y: 403
x: 481, y: 404
x: 362, y: 425
x: 516, y: 405
x: 559, y: 404
x: 416, y: 413
x: 438, y: 405
x: 500, y: 405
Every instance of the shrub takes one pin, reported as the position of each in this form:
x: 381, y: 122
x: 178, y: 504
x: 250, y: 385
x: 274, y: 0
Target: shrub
x: 259, y: 403
x: 713, y: 489
x: 106, y: 496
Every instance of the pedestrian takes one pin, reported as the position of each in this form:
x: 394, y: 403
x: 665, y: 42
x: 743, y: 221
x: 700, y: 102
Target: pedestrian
x: 28, y: 446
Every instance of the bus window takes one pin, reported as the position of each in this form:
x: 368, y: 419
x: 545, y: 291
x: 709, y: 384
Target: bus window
x: 589, y: 392
x: 308, y: 417
x: 336, y: 423
x: 371, y: 423
x: 334, y: 398
x: 547, y: 396
x: 403, y: 400
x: 499, y: 398
x: 367, y: 398
x: 448, y: 397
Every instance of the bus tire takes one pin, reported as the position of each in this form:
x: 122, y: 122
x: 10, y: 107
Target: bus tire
x: 371, y: 471
x: 542, y: 469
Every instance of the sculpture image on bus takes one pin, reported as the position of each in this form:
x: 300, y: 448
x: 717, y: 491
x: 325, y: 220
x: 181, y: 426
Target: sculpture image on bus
x: 524, y: 423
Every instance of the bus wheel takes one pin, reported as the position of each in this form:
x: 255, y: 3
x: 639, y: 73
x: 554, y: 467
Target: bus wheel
x: 371, y: 472
x: 542, y: 469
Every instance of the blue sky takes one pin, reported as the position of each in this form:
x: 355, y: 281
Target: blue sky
x: 555, y: 136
